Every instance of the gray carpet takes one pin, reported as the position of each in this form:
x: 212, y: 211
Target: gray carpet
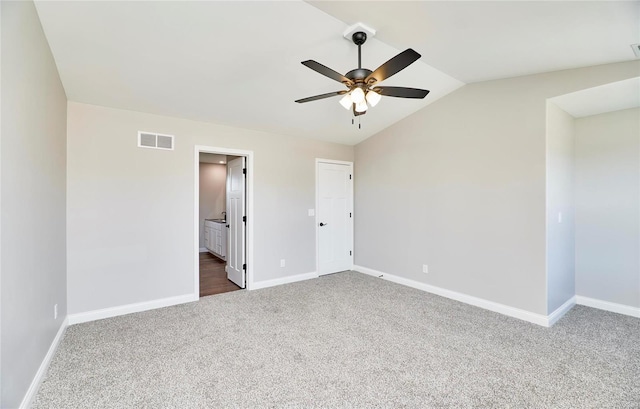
x: 344, y: 341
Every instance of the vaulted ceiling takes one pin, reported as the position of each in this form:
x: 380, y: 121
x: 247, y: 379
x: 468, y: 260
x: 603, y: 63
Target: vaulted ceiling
x: 238, y: 62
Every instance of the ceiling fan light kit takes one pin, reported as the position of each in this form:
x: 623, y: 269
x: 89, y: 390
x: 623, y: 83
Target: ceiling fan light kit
x: 373, y: 98
x: 357, y: 95
x: 346, y: 101
x: 362, y: 91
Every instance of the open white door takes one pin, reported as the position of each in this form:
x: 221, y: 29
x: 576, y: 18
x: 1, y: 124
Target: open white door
x: 236, y: 220
x: 335, y: 216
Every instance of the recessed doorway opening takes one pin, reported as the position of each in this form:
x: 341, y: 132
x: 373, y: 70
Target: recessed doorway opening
x: 223, y: 229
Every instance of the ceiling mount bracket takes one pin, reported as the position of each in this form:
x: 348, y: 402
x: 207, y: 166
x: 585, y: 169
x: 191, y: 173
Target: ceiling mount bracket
x: 358, y: 27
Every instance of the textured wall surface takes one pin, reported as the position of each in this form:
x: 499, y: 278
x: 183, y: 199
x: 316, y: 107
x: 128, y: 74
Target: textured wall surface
x: 131, y: 210
x: 33, y: 188
x: 461, y: 186
x: 607, y: 176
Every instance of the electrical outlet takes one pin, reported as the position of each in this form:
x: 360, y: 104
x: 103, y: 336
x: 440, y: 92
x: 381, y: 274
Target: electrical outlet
x: 425, y: 269
x: 55, y: 311
x: 282, y: 263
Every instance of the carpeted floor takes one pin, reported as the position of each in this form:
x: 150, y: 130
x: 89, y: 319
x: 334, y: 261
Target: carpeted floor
x: 344, y: 341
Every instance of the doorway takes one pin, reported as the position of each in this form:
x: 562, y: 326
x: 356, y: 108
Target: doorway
x: 223, y: 215
x: 334, y: 218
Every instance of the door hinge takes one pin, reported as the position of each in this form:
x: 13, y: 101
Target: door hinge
x: 244, y: 171
x: 349, y: 214
x: 244, y: 266
x: 350, y: 253
x: 349, y: 177
x: 244, y: 219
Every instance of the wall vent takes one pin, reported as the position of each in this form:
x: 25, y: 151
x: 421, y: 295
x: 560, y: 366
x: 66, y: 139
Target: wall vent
x: 636, y: 49
x: 155, y: 140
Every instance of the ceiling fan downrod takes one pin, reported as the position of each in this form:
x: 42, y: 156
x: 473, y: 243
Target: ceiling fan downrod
x: 359, y: 38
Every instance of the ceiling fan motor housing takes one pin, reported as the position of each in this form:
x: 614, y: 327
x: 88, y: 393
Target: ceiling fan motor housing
x: 358, y: 75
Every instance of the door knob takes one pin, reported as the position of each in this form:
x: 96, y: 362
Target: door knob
x: 323, y: 224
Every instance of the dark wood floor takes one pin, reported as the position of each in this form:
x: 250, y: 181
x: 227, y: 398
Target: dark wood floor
x: 213, y: 278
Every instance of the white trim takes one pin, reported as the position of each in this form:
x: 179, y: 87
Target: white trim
x: 335, y: 162
x: 249, y: 203
x: 561, y: 310
x: 44, y: 365
x: 467, y: 299
x: 317, y: 221
x: 284, y: 280
x: 203, y: 250
x: 608, y: 306
x: 129, y: 308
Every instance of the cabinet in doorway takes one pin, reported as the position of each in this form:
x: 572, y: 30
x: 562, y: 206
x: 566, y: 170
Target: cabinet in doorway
x: 215, y: 238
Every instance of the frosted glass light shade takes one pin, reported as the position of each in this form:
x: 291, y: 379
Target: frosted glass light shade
x: 361, y: 106
x: 373, y: 98
x: 357, y: 95
x: 346, y: 101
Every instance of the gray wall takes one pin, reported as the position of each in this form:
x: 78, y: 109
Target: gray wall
x: 131, y: 210
x: 33, y: 158
x: 213, y: 193
x: 607, y: 186
x: 460, y: 186
x: 560, y: 231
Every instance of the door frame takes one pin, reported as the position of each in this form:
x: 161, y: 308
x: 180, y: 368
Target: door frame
x: 317, y: 220
x: 196, y: 212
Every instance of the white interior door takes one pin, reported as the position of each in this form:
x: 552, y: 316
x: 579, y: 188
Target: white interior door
x: 334, y: 217
x: 236, y: 221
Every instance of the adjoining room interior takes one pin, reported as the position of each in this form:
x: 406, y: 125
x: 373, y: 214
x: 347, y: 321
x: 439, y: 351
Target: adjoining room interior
x: 428, y: 204
x: 214, y: 244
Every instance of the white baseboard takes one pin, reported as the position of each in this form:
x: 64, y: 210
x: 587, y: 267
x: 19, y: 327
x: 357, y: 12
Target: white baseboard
x: 42, y: 370
x: 608, y: 306
x: 467, y: 299
x: 203, y: 250
x: 284, y: 280
x: 130, y: 308
x: 561, y: 310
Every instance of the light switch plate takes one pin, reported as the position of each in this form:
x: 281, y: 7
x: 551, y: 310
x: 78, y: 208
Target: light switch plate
x: 312, y: 212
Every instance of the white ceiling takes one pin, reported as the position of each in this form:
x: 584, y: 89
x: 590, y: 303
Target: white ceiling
x: 238, y: 63
x: 483, y: 40
x: 598, y: 100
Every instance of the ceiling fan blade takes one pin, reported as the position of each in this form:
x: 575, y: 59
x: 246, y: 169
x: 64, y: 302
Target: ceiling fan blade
x: 327, y: 72
x: 401, y: 92
x: 321, y: 96
x: 394, y: 65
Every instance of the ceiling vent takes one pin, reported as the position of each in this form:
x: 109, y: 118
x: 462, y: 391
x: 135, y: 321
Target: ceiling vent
x: 155, y: 140
x: 636, y: 49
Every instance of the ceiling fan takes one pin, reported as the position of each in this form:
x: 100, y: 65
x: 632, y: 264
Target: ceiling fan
x: 362, y: 91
